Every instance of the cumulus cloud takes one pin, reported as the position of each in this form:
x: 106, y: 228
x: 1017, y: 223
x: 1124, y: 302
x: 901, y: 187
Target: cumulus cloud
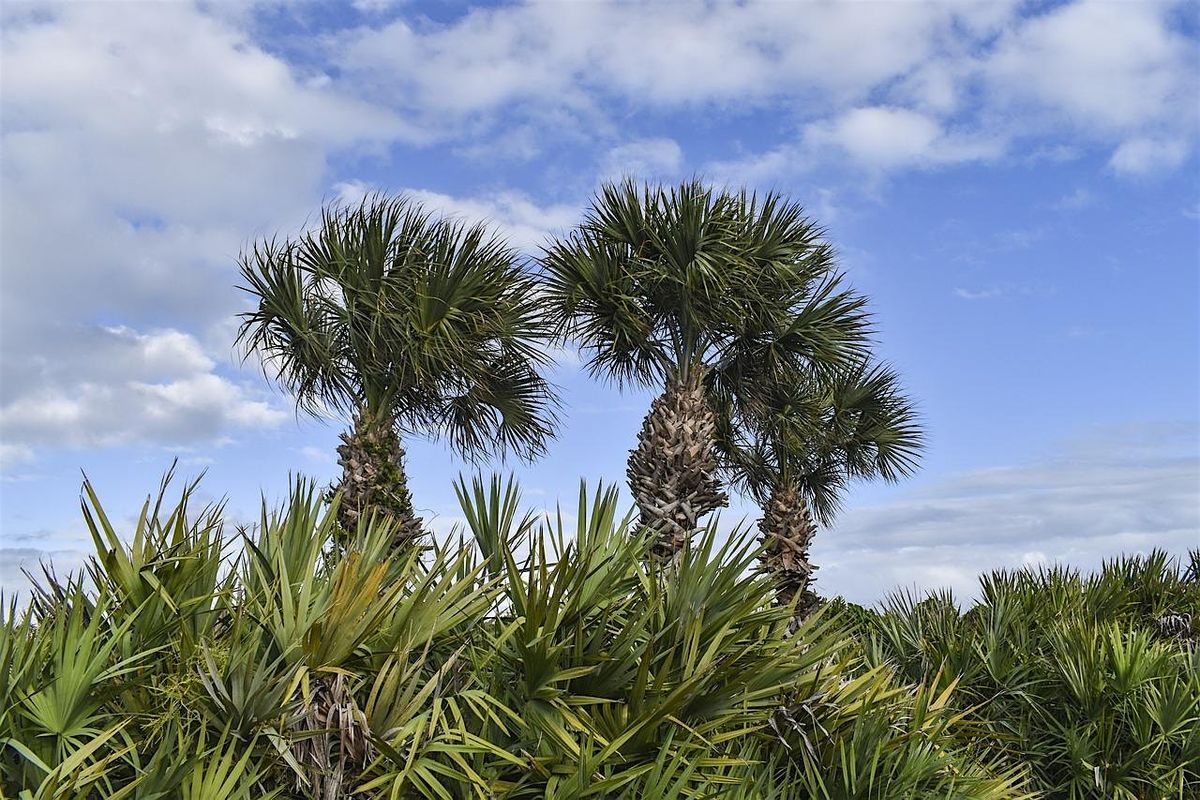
x: 118, y: 386
x: 888, y: 138
x: 1114, y: 71
x: 1114, y: 65
x: 650, y: 53
x: 1114, y: 491
x: 1142, y: 156
x: 145, y: 146
x: 644, y: 158
x: 914, y: 84
x: 565, y: 66
x: 874, y: 139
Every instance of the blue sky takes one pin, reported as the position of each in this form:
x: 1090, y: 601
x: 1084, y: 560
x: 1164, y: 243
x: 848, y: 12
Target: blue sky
x: 1015, y: 185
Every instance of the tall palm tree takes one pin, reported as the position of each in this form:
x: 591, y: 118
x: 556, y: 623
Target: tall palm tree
x: 408, y: 323
x: 699, y: 292
x: 797, y: 444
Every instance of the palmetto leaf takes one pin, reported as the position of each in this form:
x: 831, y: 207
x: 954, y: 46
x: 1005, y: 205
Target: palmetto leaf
x: 819, y: 432
x: 552, y: 662
x: 662, y: 280
x: 420, y: 319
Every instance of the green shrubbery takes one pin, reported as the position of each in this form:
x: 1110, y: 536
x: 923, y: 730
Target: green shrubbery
x: 537, y: 658
x: 1093, y: 682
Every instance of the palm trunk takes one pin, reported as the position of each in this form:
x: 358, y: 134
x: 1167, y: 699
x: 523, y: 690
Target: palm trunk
x: 373, y: 480
x: 788, y: 530
x: 672, y: 472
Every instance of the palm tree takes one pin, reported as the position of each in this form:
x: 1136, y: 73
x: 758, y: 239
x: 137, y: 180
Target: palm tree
x: 701, y: 293
x: 409, y: 323
x: 799, y: 442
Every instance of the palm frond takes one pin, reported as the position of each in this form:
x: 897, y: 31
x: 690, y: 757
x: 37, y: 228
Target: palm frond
x: 421, y: 319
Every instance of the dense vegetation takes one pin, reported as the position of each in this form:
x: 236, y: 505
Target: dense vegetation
x: 530, y: 657
x: 334, y: 649
x: 731, y: 303
x: 1092, y: 682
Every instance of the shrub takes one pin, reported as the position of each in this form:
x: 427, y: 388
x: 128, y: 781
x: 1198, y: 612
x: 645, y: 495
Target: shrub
x: 524, y: 658
x: 1093, y: 682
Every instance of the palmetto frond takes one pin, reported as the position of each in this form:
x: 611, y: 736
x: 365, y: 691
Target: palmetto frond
x: 416, y: 318
x: 661, y: 280
x: 710, y: 294
x: 819, y: 432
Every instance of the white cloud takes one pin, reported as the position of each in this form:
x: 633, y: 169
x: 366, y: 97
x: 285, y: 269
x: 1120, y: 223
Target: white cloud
x: 146, y: 147
x: 1034, y: 558
x: 978, y: 294
x: 1113, y: 65
x: 888, y: 138
x: 762, y: 169
x: 127, y: 387
x: 1115, y: 491
x: 1142, y: 156
x: 319, y: 456
x: 908, y: 85
x: 1112, y: 70
x: 13, y: 454
x: 569, y: 57
x: 936, y: 86
x: 523, y: 222
x: 374, y: 6
x: 1076, y: 200
x: 644, y: 158
x: 874, y: 139
x: 16, y: 562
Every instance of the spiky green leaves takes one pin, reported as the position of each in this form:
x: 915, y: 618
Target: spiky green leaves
x: 1068, y: 675
x: 549, y: 662
x: 820, y: 431
x: 385, y: 307
x: 728, y: 293
x: 658, y: 281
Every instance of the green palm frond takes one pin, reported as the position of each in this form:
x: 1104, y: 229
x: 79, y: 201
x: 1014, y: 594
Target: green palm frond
x: 663, y: 280
x: 820, y: 432
x: 551, y: 661
x: 422, y: 319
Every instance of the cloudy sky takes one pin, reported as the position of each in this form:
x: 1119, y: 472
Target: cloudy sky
x: 1015, y: 185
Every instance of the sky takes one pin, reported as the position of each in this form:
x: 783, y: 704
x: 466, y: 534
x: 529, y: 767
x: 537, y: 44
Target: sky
x: 1015, y: 185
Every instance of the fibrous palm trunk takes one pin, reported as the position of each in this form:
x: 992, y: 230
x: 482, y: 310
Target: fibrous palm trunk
x: 332, y: 740
x: 788, y: 530
x: 672, y: 472
x: 373, y: 481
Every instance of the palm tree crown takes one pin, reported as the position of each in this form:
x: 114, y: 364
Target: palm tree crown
x: 819, y: 432
x: 659, y: 282
x: 799, y: 441
x: 410, y: 322
x: 707, y: 294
